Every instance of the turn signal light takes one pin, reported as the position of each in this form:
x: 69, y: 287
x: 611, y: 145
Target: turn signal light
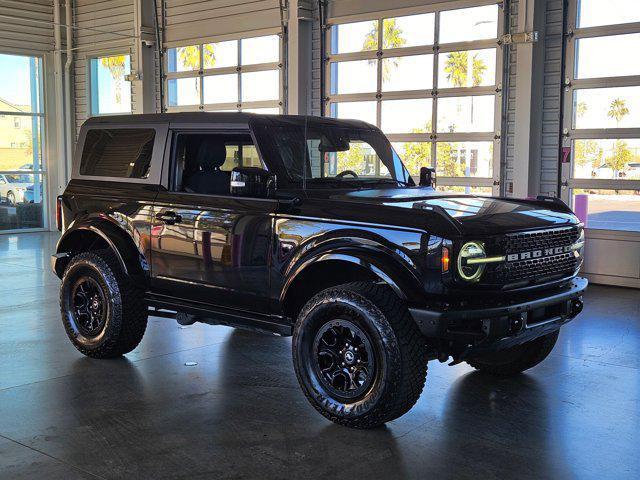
x: 445, y: 259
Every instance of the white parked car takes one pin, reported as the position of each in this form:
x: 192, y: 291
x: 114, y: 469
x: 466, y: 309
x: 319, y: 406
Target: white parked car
x: 13, y: 187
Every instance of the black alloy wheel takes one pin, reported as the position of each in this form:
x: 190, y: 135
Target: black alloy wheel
x: 89, y: 306
x: 344, y: 359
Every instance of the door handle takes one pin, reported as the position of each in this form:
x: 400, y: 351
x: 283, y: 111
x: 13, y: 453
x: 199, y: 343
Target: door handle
x: 169, y: 217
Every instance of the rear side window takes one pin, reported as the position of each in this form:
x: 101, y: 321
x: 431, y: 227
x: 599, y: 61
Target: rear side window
x: 118, y: 152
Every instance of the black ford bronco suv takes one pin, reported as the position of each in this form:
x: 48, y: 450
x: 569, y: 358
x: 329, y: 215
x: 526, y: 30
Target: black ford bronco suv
x: 310, y: 227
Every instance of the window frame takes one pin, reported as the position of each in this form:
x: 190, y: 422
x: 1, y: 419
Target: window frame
x: 93, y: 88
x: 571, y: 134
x: 237, y: 69
x: 434, y: 93
x: 42, y: 171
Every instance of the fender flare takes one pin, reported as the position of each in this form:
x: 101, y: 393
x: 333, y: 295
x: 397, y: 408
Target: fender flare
x: 129, y: 257
x: 399, y: 278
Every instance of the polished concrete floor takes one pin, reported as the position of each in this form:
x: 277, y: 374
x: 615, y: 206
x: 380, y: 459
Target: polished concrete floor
x: 240, y: 414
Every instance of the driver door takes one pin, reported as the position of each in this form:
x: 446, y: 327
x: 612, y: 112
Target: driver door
x: 212, y: 248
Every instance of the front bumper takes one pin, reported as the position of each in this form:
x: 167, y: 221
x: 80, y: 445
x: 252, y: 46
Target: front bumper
x: 511, y: 322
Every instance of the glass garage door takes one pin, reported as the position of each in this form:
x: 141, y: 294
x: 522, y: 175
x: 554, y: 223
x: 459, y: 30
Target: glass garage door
x: 231, y: 75
x: 22, y: 174
x: 601, y: 128
x: 601, y: 176
x: 432, y: 83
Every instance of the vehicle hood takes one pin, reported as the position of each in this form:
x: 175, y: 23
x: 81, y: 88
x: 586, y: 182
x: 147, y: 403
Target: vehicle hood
x: 464, y: 214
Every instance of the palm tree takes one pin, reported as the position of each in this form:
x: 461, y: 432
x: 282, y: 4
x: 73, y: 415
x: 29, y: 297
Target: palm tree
x: 190, y: 58
x: 457, y: 69
x: 581, y: 109
x: 618, y: 110
x: 391, y: 38
x: 115, y: 65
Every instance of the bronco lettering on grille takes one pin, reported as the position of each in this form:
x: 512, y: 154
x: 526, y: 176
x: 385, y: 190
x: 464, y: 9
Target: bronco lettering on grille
x: 546, y: 252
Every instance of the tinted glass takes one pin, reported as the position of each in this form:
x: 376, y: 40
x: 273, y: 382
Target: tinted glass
x: 123, y: 153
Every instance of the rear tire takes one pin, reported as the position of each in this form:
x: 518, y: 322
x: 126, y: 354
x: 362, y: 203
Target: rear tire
x: 516, y: 359
x: 103, y: 311
x: 359, y: 357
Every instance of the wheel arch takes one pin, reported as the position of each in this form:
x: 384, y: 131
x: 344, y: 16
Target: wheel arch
x: 97, y: 236
x: 329, y: 269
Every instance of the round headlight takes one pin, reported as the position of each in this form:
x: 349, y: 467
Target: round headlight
x: 469, y: 271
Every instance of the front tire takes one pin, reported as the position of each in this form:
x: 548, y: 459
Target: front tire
x: 103, y: 311
x: 515, y: 360
x: 359, y: 357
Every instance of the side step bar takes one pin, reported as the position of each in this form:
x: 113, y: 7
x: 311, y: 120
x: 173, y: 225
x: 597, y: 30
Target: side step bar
x: 168, y: 307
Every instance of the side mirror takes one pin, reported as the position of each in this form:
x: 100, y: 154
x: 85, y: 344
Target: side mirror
x: 428, y: 177
x: 252, y: 182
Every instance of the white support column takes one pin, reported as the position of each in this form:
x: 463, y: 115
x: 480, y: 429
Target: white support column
x: 522, y: 175
x: 299, y: 57
x: 144, y: 67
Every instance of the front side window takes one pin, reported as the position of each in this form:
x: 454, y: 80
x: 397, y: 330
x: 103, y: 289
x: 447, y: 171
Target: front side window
x: 117, y: 152
x: 204, y: 161
x: 110, y: 89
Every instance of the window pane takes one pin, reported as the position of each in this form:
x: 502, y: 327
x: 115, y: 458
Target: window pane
x: 617, y: 107
x: 408, y: 31
x: 221, y: 54
x: 407, y: 73
x: 354, y: 37
x: 468, y: 24
x: 365, y: 111
x: 221, y: 88
x: 607, y: 12
x: 21, y: 201
x: 260, y: 50
x: 183, y: 91
x: 607, y: 158
x: 466, y: 114
x: 258, y: 86
x: 454, y: 68
x: 608, y: 209
x: 607, y: 56
x: 123, y: 152
x: 414, y: 155
x: 20, y: 91
x: 183, y: 59
x: 21, y: 143
x: 481, y: 191
x: 406, y: 116
x: 464, y: 159
x: 354, y: 77
x: 110, y: 92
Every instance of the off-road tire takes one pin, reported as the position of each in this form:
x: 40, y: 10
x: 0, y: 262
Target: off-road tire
x: 126, y: 319
x: 401, y: 373
x: 515, y: 360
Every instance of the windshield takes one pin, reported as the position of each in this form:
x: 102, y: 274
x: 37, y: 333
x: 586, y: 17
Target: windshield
x: 333, y: 155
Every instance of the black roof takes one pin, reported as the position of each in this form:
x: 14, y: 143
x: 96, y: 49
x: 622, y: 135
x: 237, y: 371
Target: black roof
x: 222, y: 117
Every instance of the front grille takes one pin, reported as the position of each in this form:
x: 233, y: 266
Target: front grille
x: 538, y: 240
x: 535, y: 269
